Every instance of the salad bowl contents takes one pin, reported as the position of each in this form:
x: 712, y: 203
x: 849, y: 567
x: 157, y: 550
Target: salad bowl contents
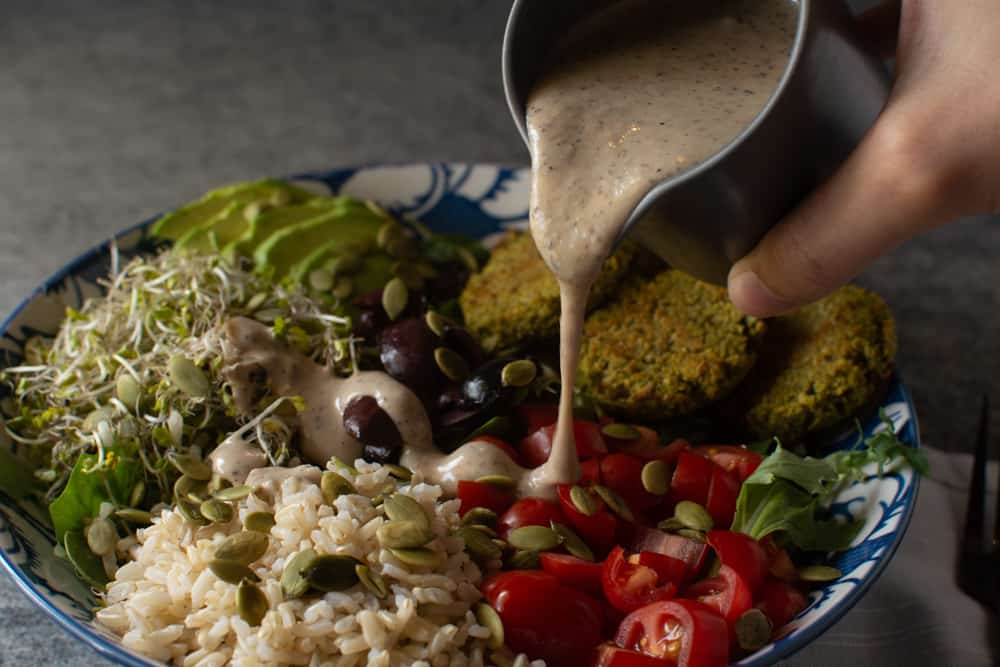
x: 308, y: 423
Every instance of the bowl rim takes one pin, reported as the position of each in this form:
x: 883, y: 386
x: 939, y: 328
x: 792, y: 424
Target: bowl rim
x: 118, y: 653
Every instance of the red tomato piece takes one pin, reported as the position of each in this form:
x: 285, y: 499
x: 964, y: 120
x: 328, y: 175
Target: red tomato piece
x: 536, y: 448
x: 691, y: 552
x: 573, y: 572
x: 545, y: 619
x: 667, y: 568
x: 474, y: 494
x: 590, y: 471
x: 622, y: 473
x: 530, y: 512
x: 727, y: 593
x: 780, y: 602
x: 691, y: 478
x: 736, y: 459
x: 598, y: 530
x: 536, y: 415
x: 723, y: 491
x: 742, y: 553
x: 628, y: 586
x: 780, y: 565
x: 609, y: 655
x: 685, y: 632
x: 508, y: 450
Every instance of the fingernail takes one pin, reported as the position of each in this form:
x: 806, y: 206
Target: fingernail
x: 751, y: 296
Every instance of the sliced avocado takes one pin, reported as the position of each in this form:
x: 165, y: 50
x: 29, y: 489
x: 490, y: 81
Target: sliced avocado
x: 205, y: 237
x: 285, y: 248
x: 179, y: 223
x: 375, y: 272
x: 273, y: 220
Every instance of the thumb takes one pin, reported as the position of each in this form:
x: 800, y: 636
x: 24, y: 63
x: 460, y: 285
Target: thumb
x: 879, y: 198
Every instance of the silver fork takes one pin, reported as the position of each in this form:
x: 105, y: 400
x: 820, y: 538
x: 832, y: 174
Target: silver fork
x: 979, y: 562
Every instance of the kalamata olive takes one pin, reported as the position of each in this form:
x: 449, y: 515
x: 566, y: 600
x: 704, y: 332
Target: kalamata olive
x: 367, y: 422
x: 406, y: 350
x: 451, y: 397
x: 368, y: 323
x: 369, y: 300
x: 449, y: 281
x: 464, y: 343
x: 485, y: 387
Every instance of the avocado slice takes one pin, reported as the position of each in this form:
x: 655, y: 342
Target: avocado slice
x: 375, y: 272
x: 207, y: 237
x: 285, y: 248
x: 179, y: 223
x: 272, y: 220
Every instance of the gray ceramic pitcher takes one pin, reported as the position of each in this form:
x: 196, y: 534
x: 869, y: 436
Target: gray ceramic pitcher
x: 704, y: 219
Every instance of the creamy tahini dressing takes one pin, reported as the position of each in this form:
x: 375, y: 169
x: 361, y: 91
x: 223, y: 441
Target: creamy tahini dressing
x: 636, y: 94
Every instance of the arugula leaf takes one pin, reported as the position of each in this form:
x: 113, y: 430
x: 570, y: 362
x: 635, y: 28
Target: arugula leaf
x: 88, y: 487
x: 787, y: 492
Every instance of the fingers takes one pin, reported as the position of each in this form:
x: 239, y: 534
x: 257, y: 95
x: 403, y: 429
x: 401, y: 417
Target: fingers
x: 879, y: 198
x: 879, y: 27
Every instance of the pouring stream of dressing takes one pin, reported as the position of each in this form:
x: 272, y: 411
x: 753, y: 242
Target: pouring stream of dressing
x: 636, y: 94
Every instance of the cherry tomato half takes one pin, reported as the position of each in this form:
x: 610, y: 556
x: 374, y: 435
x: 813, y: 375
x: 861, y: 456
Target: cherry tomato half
x: 598, y: 530
x: 742, y: 553
x: 476, y: 494
x: 733, y: 458
x: 667, y: 568
x: 590, y: 471
x: 530, y: 512
x: 727, y: 593
x: 536, y: 448
x: 780, y: 565
x: 628, y: 585
x: 545, y: 619
x: 723, y: 491
x: 691, y: 552
x: 534, y: 416
x: 691, y: 478
x: 780, y: 602
x: 609, y: 655
x: 622, y: 473
x: 508, y: 450
x: 574, y: 572
x: 685, y: 632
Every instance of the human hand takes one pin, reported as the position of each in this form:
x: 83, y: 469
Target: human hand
x: 932, y: 156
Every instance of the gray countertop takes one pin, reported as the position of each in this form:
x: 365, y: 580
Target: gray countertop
x: 113, y: 111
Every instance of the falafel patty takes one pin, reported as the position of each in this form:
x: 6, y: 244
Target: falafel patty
x: 666, y: 347
x: 818, y: 366
x: 515, y: 298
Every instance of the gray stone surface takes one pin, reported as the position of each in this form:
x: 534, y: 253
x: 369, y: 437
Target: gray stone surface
x: 113, y: 111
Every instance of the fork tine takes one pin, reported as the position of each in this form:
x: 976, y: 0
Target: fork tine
x: 977, y: 489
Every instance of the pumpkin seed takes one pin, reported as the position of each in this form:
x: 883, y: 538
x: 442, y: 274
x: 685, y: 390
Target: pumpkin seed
x: 485, y: 530
x: 488, y: 617
x: 437, y: 322
x: 188, y: 377
x: 186, y: 487
x: 692, y: 534
x: 526, y: 559
x: 819, y: 574
x: 417, y: 557
x: 259, y: 522
x: 614, y: 502
x: 346, y: 265
x: 191, y: 513
x: 496, y: 426
x: 230, y: 572
x: 499, y: 481
x: 403, y: 535
x: 128, y: 390
x: 395, y: 296
x: 401, y: 473
x: 343, y: 465
x: 620, y: 431
x: 256, y: 301
x: 233, y: 493
x: 138, y: 494
x: 656, y: 478
x: 194, y: 468
x: 573, y: 543
x: 399, y: 507
x: 466, y: 257
x: 452, y: 364
x: 480, y: 516
x: 753, y: 630
x: 216, y: 484
x: 102, y: 537
x: 321, y: 280
x: 389, y: 232
x: 671, y: 525
x: 330, y: 573
x: 251, y: 603
x: 518, y: 373
x: 334, y: 485
x: 372, y: 580
x: 694, y: 516
x: 134, y: 516
x: 537, y: 538
x: 293, y: 581
x: 503, y: 546
x: 378, y: 501
x: 478, y: 543
x: 94, y: 419
x: 343, y: 288
x: 243, y: 547
x: 216, y: 511
x: 582, y: 500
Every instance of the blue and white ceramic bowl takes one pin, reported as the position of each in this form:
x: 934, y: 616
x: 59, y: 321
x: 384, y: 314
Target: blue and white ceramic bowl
x: 474, y: 199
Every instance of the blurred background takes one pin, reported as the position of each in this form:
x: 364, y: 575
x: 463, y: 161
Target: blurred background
x: 113, y: 111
